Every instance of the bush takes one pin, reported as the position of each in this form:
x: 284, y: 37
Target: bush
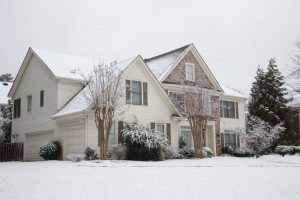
x: 50, y: 150
x: 243, y: 152
x: 296, y: 149
x: 75, y: 157
x: 182, y: 143
x: 90, y: 154
x: 227, y: 150
x: 143, y: 143
x: 186, y: 152
x: 282, y: 150
x: 207, y: 152
x: 118, y: 152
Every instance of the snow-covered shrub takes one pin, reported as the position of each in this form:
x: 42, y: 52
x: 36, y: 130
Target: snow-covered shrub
x: 186, y: 152
x: 90, y: 154
x: 261, y: 135
x: 296, y: 149
x: 144, y: 143
x: 207, y: 152
x: 227, y: 150
x: 118, y: 152
x: 243, y: 152
x: 75, y: 157
x: 50, y: 150
x: 282, y: 150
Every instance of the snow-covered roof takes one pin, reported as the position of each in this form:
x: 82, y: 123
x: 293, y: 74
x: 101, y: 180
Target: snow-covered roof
x: 292, y: 83
x: 79, y: 102
x: 62, y: 64
x: 232, y: 92
x: 4, y: 89
x: 161, y: 64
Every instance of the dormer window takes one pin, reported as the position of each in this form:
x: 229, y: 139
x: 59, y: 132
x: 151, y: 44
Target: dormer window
x: 189, y: 72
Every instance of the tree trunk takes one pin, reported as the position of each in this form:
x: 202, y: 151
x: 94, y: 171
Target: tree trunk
x: 198, y: 128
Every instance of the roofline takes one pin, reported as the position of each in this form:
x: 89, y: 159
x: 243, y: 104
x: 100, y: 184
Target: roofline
x: 166, y: 53
x: 67, y: 114
x: 30, y: 52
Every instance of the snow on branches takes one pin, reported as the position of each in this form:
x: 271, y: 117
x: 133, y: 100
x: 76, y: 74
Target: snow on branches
x: 147, y: 137
x: 261, y: 135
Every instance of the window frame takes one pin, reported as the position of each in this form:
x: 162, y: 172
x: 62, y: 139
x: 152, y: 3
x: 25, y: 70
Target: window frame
x: 234, y: 143
x: 161, y: 124
x: 17, y: 110
x: 187, y: 129
x: 27, y: 103
x: 186, y: 71
x: 226, y: 111
x: 140, y: 93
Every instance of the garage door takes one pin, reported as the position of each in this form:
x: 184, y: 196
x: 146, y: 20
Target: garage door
x: 75, y: 140
x: 33, y: 143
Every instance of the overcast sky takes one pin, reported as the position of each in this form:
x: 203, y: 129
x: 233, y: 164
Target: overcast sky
x: 233, y: 37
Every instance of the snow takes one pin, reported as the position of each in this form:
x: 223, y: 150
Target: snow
x: 79, y: 102
x: 4, y: 89
x: 232, y: 92
x: 160, y: 65
x: 269, y: 177
x: 63, y: 65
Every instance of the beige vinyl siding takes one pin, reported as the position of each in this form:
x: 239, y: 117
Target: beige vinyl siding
x: 232, y: 123
x: 66, y: 90
x: 35, y: 78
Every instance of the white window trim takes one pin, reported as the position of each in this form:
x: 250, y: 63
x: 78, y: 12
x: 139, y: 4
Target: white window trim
x: 186, y: 65
x: 142, y: 92
x: 161, y: 123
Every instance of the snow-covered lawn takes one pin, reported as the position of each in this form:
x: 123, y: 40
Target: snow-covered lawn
x: 269, y: 177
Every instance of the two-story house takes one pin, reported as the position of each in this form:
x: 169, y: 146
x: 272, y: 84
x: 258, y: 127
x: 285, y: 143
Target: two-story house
x: 49, y: 100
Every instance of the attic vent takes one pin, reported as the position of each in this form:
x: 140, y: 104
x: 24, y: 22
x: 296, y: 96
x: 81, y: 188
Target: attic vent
x: 5, y: 84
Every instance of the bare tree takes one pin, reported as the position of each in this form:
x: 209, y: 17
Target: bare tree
x: 103, y: 91
x: 197, y: 109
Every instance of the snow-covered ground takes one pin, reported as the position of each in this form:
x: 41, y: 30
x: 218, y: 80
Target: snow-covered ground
x: 269, y: 177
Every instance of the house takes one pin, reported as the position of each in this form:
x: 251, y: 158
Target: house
x: 292, y: 82
x: 49, y: 101
x: 4, y: 100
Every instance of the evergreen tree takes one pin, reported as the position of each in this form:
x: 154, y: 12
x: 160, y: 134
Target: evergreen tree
x: 268, y: 100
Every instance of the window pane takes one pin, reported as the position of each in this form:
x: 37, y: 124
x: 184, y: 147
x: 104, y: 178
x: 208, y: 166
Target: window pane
x: 189, y: 72
x: 29, y: 103
x: 160, y: 128
x: 231, y: 109
x: 136, y: 93
x: 186, y: 135
x: 112, y: 135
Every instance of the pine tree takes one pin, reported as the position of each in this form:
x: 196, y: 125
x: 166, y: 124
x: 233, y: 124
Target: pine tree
x: 6, y: 77
x: 268, y: 100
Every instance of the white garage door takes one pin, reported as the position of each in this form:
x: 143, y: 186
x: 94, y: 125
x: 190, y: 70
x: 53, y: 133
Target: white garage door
x: 75, y: 140
x: 33, y: 143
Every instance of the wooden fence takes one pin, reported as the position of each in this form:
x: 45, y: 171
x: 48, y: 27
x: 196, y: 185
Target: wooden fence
x: 11, y: 152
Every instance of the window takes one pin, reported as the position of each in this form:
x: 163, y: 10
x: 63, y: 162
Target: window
x: 41, y: 98
x: 136, y: 92
x: 160, y: 127
x: 17, y: 108
x: 230, y: 140
x: 189, y: 72
x: 112, y: 135
x: 229, y: 109
x: 29, y: 103
x: 186, y: 135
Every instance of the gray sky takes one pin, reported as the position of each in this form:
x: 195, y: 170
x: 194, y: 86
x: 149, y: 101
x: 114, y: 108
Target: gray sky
x: 233, y: 37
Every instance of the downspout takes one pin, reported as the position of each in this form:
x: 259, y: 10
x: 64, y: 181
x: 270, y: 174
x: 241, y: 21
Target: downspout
x: 86, y: 117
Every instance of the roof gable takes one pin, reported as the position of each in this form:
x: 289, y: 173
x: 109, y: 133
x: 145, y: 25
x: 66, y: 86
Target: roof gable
x: 79, y: 103
x: 162, y: 65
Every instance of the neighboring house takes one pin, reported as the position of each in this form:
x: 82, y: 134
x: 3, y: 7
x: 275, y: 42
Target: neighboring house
x: 292, y: 82
x: 4, y: 100
x: 50, y: 103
